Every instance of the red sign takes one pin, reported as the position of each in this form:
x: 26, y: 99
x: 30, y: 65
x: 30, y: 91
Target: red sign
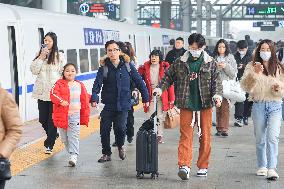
x: 98, y: 8
x: 156, y: 25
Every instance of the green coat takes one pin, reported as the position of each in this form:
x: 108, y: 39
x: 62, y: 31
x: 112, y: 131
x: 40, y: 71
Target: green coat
x: 210, y: 84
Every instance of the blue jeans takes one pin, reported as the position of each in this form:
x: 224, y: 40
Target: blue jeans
x: 70, y: 137
x: 267, y: 121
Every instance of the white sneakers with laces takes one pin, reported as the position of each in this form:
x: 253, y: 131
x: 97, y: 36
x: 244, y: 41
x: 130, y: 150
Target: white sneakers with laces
x: 73, y: 160
x: 183, y: 172
x: 272, y: 174
x: 202, y: 173
x: 262, y: 171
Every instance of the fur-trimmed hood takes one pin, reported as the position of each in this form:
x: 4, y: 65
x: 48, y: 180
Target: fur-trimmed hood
x: 123, y: 55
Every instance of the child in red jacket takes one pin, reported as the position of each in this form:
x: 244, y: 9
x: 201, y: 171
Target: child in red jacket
x: 70, y: 109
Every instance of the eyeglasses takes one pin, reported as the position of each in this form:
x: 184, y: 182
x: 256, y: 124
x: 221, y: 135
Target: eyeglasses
x: 113, y: 50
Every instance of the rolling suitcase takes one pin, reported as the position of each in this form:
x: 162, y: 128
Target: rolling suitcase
x: 147, y: 147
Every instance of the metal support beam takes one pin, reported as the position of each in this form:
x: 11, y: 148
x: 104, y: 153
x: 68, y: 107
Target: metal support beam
x: 126, y: 8
x: 219, y: 24
x: 199, y: 16
x: 186, y: 11
x: 165, y: 12
x: 226, y: 29
x: 208, y: 17
x: 55, y: 5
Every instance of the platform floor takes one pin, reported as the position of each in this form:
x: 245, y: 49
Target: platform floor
x: 232, y: 165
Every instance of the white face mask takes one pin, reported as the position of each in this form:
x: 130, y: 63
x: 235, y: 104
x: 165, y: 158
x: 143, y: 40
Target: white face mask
x: 265, y: 55
x: 195, y: 53
x: 243, y: 53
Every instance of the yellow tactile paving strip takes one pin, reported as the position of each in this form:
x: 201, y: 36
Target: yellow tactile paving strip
x: 24, y: 157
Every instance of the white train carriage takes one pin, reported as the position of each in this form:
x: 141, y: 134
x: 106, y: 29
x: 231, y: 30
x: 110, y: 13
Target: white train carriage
x: 81, y: 38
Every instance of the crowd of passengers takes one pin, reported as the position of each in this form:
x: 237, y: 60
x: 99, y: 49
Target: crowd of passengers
x: 189, y: 78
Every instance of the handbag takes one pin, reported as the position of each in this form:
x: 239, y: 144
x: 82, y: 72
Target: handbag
x: 232, y: 90
x: 172, y: 118
x: 5, y: 170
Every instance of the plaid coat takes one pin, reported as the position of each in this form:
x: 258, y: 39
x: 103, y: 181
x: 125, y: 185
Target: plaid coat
x: 210, y: 84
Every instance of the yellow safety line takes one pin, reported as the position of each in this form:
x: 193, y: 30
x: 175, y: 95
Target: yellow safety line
x: 25, y: 157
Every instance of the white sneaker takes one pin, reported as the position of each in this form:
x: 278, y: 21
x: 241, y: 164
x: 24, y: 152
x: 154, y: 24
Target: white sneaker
x: 272, y: 174
x: 202, y: 173
x: 48, y: 150
x: 262, y: 171
x: 183, y: 172
x: 73, y: 160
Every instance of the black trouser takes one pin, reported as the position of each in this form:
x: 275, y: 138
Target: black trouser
x: 130, y: 124
x: 118, y: 119
x: 2, y: 184
x: 45, y: 118
x: 243, y: 109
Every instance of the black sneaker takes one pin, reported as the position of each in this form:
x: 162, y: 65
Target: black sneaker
x: 129, y: 139
x: 218, y: 133
x: 224, y: 133
x: 238, y: 123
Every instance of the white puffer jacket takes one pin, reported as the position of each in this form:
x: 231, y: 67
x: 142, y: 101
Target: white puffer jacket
x: 47, y: 75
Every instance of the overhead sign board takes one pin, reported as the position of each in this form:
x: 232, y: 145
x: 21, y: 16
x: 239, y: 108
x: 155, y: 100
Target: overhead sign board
x: 268, y: 9
x: 94, y: 9
x: 94, y: 36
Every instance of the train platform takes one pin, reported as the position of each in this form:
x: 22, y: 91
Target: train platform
x: 232, y: 164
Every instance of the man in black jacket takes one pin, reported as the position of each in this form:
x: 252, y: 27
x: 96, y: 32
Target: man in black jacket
x: 242, y: 109
x: 177, y: 51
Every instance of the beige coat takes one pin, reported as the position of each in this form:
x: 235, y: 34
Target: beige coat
x: 259, y: 86
x: 10, y: 124
x: 47, y: 75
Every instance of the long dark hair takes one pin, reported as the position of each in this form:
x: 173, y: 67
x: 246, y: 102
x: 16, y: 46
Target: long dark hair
x: 227, y: 51
x: 273, y: 62
x: 54, y: 50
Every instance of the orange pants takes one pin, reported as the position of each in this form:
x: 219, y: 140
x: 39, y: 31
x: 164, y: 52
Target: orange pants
x: 186, y: 138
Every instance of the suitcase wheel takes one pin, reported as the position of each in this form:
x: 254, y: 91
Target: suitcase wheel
x: 140, y: 175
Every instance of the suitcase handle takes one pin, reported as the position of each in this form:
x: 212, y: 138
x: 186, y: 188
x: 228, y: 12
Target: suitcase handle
x: 154, y: 115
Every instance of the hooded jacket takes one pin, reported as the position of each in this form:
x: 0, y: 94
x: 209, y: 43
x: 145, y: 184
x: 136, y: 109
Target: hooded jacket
x: 168, y: 95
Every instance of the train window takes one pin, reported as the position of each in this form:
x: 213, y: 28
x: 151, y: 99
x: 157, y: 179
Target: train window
x: 72, y: 56
x: 41, y: 35
x: 94, y: 59
x: 84, y: 60
x: 102, y: 52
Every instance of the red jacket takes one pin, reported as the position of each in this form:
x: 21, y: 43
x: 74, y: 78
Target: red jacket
x: 168, y: 95
x: 60, y: 91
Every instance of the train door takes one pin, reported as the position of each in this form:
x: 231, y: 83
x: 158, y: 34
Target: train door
x: 15, y: 88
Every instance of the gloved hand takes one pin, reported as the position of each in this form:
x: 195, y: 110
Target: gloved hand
x: 158, y: 91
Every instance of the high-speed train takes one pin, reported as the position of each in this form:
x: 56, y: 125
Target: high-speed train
x: 81, y: 38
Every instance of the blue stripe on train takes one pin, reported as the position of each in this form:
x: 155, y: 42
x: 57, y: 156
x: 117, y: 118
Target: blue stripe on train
x: 79, y: 77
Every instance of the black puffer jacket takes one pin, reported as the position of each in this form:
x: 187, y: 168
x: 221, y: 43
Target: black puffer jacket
x: 174, y: 54
x: 245, y: 60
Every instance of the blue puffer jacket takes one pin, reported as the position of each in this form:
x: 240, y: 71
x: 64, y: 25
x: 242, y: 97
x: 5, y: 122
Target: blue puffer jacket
x: 116, y: 93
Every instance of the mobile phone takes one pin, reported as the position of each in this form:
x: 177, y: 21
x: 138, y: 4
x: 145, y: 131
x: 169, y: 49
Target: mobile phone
x: 43, y: 46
